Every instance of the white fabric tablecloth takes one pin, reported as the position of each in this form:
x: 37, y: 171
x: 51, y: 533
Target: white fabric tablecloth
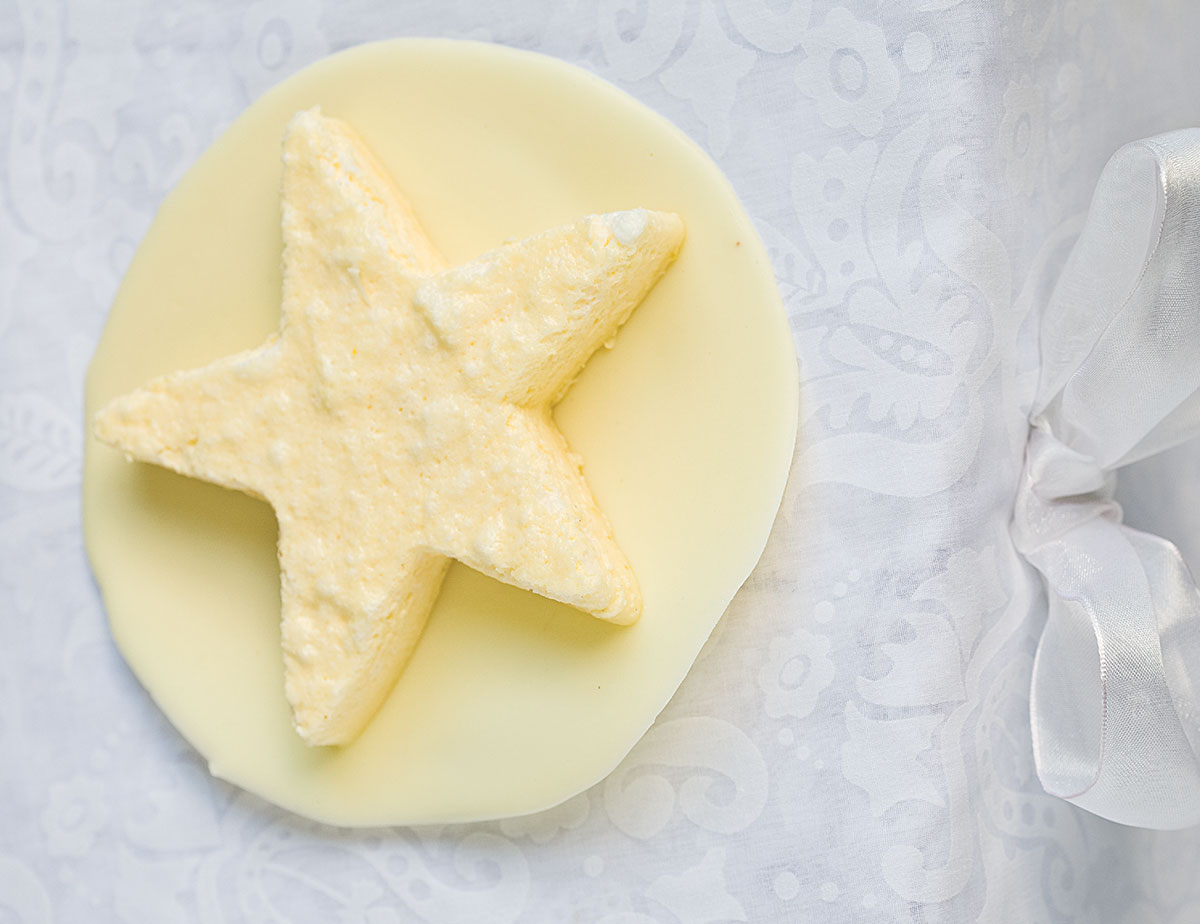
x: 854, y: 742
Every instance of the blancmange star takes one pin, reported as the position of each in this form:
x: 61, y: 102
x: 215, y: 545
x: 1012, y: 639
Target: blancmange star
x: 401, y: 418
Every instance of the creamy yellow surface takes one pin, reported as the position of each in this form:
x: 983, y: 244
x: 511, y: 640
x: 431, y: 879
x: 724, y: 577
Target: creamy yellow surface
x: 401, y: 417
x: 511, y: 702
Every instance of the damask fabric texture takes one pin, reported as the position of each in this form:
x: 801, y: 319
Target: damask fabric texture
x: 855, y: 742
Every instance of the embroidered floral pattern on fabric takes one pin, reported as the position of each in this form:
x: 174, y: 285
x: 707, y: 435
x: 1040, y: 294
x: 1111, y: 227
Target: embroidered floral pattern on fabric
x: 848, y: 72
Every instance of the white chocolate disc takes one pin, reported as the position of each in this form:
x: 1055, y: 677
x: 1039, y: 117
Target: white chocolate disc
x: 511, y: 703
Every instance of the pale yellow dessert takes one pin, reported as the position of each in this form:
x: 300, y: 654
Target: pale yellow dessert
x: 511, y: 702
x: 401, y: 418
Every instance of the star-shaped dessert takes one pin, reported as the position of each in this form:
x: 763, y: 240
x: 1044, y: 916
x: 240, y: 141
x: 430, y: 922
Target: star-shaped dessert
x: 401, y: 418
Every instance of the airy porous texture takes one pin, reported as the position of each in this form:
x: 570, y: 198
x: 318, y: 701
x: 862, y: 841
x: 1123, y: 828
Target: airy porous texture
x: 401, y: 418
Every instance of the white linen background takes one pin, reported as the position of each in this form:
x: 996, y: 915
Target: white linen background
x: 853, y: 744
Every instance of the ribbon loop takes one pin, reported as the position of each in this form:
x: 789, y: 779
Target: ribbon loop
x: 1114, y: 703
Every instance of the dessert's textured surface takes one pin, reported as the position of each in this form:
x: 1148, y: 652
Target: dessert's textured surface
x: 401, y: 418
x: 511, y: 702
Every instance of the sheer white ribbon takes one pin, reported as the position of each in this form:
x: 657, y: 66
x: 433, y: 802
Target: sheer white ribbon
x: 1115, y: 702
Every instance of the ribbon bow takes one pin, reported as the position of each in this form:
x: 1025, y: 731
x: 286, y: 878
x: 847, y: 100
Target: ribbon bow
x: 1115, y: 701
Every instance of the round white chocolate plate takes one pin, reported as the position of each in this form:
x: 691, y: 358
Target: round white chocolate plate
x: 511, y: 703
